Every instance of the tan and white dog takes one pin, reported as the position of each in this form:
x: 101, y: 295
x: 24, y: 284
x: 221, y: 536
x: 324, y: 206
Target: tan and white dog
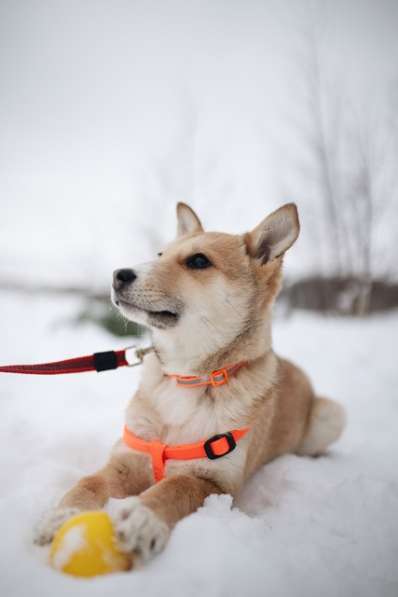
x: 208, y: 300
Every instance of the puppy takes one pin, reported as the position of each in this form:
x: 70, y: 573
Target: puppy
x: 215, y: 402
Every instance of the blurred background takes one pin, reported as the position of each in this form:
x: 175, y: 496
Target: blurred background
x: 111, y: 112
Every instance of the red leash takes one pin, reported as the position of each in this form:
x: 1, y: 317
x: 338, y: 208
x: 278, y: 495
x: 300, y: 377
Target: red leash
x: 99, y: 361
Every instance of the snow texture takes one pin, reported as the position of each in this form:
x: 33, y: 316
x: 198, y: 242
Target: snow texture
x: 72, y: 542
x: 301, y: 527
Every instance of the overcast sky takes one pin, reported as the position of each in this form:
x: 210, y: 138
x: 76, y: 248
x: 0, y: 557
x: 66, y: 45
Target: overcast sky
x: 112, y: 111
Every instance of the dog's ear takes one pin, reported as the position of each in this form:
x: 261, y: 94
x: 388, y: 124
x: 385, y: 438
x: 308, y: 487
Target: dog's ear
x: 274, y: 235
x: 187, y: 220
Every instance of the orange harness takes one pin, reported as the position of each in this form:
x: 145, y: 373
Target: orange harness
x: 212, y: 448
x: 216, y: 378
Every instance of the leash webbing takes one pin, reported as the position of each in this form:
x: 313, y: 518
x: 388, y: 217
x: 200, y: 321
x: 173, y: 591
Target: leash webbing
x: 99, y: 361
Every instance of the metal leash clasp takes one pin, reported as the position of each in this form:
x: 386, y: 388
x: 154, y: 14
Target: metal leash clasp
x: 135, y: 356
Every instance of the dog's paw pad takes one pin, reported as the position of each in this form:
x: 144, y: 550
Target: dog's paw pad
x: 50, y: 522
x: 139, y: 530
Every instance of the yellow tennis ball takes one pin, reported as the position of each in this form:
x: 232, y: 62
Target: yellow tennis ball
x: 85, y: 546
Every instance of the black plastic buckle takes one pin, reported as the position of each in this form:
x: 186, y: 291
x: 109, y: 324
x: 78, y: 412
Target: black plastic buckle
x: 209, y: 450
x: 103, y: 361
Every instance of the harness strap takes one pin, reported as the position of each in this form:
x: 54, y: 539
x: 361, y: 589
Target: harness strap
x: 213, y: 448
x: 113, y: 359
x: 216, y: 378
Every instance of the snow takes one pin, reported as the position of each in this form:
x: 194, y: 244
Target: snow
x: 72, y: 542
x: 325, y: 526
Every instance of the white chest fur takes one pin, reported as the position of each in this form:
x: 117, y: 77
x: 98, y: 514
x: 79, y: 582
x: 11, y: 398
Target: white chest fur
x: 178, y: 415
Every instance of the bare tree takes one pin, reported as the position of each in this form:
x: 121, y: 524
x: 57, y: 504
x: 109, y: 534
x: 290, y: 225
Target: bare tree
x: 349, y: 157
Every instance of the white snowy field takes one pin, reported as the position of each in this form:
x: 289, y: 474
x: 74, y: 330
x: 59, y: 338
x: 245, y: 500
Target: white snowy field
x: 326, y: 526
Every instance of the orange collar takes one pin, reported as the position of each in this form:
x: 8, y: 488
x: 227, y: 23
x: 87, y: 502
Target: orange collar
x: 213, y: 448
x: 216, y: 378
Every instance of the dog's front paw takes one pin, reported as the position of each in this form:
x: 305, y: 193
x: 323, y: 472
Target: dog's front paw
x: 139, y: 530
x: 50, y: 522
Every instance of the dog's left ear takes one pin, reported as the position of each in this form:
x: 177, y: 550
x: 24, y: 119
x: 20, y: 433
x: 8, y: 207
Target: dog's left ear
x: 187, y: 220
x: 274, y: 235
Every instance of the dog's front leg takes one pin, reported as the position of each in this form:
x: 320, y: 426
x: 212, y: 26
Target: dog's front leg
x: 143, y: 523
x: 123, y: 476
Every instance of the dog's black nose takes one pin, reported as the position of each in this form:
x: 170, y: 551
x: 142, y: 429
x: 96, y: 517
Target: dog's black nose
x: 122, y: 277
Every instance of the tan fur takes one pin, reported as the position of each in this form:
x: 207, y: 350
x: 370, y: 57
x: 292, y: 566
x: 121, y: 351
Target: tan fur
x: 224, y: 317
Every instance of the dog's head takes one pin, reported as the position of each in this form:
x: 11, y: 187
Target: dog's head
x: 208, y: 284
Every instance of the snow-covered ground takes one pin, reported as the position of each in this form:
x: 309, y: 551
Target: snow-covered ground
x: 309, y: 527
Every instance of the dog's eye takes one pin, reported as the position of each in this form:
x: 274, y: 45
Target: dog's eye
x: 160, y: 254
x: 198, y: 261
